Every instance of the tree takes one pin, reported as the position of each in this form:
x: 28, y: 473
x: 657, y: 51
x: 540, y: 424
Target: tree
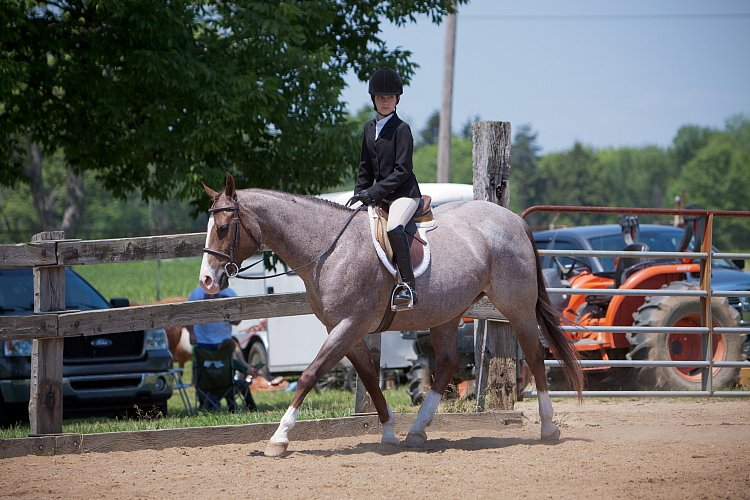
x: 688, y: 141
x: 526, y: 183
x: 155, y: 96
x: 429, y: 134
x: 717, y: 177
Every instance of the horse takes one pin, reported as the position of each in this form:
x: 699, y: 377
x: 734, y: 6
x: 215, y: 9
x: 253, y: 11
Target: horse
x: 178, y: 337
x: 478, y: 248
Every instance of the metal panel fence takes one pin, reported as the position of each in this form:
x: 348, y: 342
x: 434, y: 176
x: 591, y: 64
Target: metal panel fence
x: 705, y: 293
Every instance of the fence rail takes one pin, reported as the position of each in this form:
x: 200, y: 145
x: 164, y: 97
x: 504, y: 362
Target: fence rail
x: 705, y: 294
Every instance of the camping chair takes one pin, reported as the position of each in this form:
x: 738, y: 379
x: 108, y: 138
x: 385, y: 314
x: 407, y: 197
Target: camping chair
x: 216, y: 380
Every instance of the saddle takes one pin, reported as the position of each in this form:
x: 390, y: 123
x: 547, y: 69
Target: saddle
x: 420, y: 223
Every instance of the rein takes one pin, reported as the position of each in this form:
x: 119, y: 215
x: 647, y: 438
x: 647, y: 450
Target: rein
x: 232, y: 269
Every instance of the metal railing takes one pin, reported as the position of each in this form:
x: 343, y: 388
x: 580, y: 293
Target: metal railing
x: 705, y: 293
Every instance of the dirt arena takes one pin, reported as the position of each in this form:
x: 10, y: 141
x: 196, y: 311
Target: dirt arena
x: 611, y: 449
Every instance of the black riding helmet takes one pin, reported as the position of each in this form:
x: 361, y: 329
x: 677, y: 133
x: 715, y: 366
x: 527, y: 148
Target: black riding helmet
x: 385, y: 82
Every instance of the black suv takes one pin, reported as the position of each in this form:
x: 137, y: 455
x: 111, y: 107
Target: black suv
x: 114, y: 372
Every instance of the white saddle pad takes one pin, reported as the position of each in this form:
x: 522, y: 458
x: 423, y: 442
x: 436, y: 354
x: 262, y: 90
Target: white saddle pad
x: 422, y: 227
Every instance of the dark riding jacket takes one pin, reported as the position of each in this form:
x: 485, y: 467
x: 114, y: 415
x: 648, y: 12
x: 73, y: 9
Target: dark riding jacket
x: 385, y: 166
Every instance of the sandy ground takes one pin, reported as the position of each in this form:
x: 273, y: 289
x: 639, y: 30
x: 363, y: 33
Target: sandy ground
x: 613, y: 449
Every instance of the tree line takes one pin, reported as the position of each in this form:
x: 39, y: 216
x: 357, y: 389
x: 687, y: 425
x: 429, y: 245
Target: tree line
x: 703, y: 167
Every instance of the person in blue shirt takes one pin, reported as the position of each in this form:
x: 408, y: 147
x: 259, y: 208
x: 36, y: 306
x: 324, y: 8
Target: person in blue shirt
x: 210, y: 335
x: 214, y: 336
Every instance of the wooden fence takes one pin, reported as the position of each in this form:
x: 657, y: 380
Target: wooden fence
x: 48, y: 326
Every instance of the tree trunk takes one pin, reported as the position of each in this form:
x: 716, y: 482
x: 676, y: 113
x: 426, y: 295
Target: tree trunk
x: 74, y: 209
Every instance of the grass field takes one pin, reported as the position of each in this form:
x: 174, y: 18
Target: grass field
x: 271, y: 407
x: 144, y: 282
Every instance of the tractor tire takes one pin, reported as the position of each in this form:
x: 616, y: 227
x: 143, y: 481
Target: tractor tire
x: 419, y: 379
x: 683, y: 311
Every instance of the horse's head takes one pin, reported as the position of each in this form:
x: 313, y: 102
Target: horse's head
x: 230, y: 238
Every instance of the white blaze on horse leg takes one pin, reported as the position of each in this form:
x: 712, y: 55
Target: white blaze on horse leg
x: 550, y: 431
x: 426, y: 412
x: 389, y: 437
x: 286, y: 424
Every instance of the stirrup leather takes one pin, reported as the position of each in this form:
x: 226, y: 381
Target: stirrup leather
x: 402, y: 287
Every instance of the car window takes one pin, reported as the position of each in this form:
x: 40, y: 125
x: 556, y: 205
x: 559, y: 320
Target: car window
x: 17, y: 292
x: 79, y: 294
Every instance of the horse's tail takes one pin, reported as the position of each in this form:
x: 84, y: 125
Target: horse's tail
x: 549, y: 322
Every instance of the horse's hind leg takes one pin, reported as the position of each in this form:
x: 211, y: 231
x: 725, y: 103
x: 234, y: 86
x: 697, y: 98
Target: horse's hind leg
x: 527, y: 332
x: 360, y: 358
x: 443, y: 340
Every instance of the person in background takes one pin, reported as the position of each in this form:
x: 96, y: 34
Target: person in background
x: 218, y: 335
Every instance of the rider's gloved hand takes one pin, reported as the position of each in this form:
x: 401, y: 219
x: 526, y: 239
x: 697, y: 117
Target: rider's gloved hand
x: 363, y: 196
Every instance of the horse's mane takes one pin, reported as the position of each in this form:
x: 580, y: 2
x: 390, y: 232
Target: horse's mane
x: 316, y: 200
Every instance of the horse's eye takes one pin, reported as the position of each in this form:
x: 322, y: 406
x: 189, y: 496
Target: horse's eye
x: 222, y: 230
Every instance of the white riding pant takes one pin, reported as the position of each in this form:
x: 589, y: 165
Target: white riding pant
x: 400, y: 212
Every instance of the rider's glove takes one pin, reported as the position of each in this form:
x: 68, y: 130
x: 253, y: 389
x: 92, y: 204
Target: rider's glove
x: 363, y: 196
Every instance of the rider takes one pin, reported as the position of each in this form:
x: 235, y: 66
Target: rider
x: 386, y: 174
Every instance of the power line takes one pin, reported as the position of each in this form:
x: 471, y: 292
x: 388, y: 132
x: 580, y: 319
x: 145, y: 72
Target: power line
x: 606, y: 17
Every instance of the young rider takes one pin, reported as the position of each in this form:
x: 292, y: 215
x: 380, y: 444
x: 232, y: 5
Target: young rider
x: 386, y: 175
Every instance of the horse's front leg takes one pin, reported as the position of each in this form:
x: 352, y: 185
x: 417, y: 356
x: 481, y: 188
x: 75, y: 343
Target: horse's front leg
x: 443, y: 338
x: 369, y: 375
x: 339, y: 342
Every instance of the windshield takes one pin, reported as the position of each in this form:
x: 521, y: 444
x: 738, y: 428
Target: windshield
x: 661, y: 241
x: 17, y: 292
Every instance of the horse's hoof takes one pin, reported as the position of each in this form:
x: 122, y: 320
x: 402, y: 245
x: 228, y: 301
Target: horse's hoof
x: 390, y: 440
x: 415, y: 439
x: 274, y: 449
x: 551, y: 437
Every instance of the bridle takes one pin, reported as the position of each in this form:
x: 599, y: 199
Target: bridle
x: 231, y: 268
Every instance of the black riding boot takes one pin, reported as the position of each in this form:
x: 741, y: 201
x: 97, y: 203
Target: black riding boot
x: 399, y: 241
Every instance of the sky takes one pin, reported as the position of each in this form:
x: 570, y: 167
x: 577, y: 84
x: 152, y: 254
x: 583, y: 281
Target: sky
x: 604, y: 73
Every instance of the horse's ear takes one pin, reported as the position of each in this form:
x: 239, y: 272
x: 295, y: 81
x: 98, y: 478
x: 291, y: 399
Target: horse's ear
x: 210, y: 192
x: 229, y: 188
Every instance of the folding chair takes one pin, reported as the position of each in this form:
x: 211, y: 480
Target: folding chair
x: 216, y: 380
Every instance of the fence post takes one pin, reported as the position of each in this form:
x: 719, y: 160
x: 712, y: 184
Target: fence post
x: 363, y: 401
x: 45, y: 402
x: 495, y: 348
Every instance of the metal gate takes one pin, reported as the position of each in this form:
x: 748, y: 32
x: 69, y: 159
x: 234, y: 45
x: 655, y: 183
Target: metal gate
x: 705, y: 293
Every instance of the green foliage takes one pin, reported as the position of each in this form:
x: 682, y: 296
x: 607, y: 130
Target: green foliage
x: 139, y: 281
x: 718, y: 177
x: 429, y: 134
x: 156, y: 96
x: 425, y: 161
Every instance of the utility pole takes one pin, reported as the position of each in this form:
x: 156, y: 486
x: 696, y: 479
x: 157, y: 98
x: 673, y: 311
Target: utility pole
x: 444, y: 133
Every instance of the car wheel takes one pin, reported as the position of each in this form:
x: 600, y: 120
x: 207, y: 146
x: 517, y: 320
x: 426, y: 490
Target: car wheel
x: 419, y: 379
x: 258, y: 358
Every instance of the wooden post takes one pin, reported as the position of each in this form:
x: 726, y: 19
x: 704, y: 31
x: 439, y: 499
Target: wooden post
x: 495, y: 350
x: 45, y: 403
x: 363, y: 401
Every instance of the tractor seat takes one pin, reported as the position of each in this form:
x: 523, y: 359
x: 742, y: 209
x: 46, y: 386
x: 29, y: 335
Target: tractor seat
x: 628, y: 265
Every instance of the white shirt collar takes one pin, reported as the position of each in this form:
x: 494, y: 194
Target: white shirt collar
x: 379, y: 124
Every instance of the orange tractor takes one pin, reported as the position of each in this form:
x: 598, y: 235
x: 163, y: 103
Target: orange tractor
x: 678, y: 276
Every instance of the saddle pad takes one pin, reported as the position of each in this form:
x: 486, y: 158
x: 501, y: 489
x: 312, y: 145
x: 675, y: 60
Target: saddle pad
x: 420, y: 253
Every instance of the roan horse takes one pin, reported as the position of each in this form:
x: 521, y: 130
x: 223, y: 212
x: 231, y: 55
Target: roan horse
x: 478, y: 248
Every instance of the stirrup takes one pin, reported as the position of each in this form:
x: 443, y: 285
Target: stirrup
x: 402, y: 307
